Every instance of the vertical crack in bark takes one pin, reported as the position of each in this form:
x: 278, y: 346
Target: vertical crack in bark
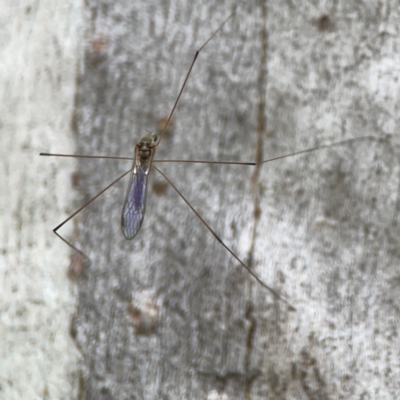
x: 261, y: 129
x: 249, y: 346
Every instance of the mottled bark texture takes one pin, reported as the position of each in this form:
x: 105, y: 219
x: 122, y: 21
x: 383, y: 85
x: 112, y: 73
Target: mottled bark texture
x: 320, y: 228
x: 171, y: 315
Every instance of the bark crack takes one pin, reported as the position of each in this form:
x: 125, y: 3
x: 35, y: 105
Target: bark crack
x: 261, y: 129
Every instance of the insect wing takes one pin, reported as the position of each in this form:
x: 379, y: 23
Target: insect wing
x: 135, y: 203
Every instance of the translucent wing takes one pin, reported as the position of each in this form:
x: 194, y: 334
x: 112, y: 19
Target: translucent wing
x: 135, y: 202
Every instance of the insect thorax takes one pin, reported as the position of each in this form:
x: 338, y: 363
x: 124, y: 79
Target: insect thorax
x: 146, y: 147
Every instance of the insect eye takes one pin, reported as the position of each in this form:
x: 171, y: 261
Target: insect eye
x: 155, y: 138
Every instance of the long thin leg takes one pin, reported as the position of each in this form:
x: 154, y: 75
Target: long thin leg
x: 323, y: 146
x: 273, y: 291
x: 78, y: 156
x: 81, y: 208
x: 205, y: 162
x: 159, y: 161
x: 187, y: 77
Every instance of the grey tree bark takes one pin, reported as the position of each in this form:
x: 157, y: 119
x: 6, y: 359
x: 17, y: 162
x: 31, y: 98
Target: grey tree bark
x: 171, y: 314
x: 39, y: 49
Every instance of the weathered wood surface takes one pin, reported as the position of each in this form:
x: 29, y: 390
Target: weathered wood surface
x: 171, y: 314
x: 40, y: 44
x: 326, y: 236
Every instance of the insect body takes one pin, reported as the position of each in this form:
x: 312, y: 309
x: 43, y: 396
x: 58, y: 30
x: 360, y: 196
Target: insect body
x: 135, y: 200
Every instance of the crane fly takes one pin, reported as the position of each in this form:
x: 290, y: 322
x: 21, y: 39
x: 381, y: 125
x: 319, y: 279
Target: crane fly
x: 134, y: 207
